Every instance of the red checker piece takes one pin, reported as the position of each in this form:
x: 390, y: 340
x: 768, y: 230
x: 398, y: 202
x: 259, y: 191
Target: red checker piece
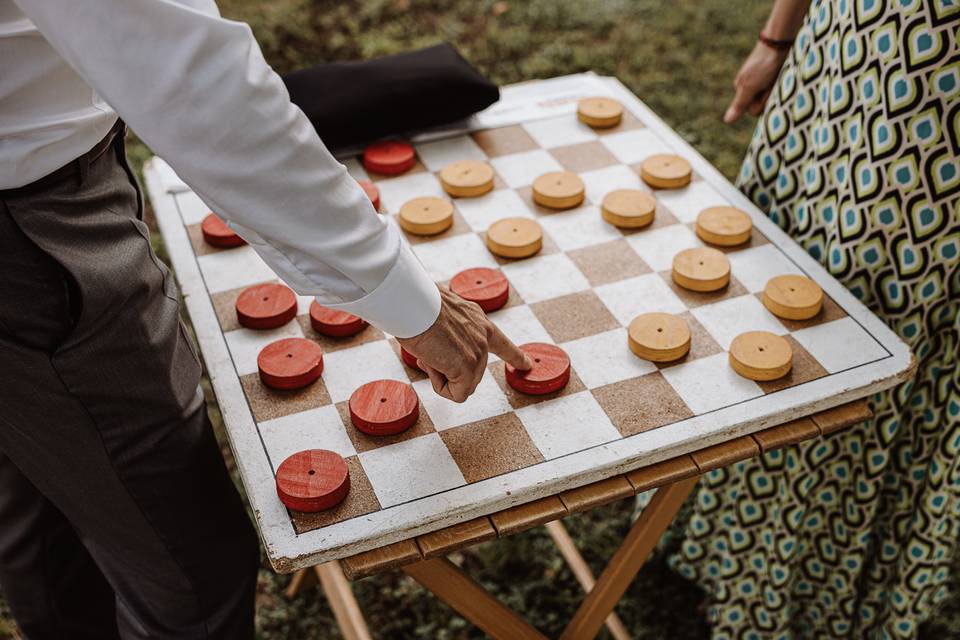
x: 333, y: 323
x: 384, y: 407
x: 291, y: 363
x: 313, y: 480
x: 409, y: 359
x: 216, y: 233
x: 372, y: 192
x: 266, y: 306
x: 487, y: 287
x: 390, y: 157
x: 550, y: 372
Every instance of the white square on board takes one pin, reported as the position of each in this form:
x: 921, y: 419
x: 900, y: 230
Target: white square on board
x: 172, y: 183
x: 629, y: 298
x: 487, y: 401
x: 411, y: 469
x: 567, y: 424
x: 657, y: 247
x: 394, y: 192
x: 545, y: 277
x: 840, y: 344
x: 633, y: 147
x: 483, y: 211
x: 559, y: 132
x: 753, y: 267
x: 600, y: 182
x: 245, y: 344
x: 346, y: 369
x: 727, y: 319
x: 579, y: 228
x: 521, y: 169
x: 438, y: 154
x: 520, y: 325
x: 355, y: 168
x: 687, y: 203
x: 710, y: 383
x: 319, y: 428
x: 444, y: 258
x: 192, y: 209
x: 233, y: 268
x: 605, y: 358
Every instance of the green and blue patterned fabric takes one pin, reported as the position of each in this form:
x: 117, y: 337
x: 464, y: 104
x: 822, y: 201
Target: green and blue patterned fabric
x: 857, y: 156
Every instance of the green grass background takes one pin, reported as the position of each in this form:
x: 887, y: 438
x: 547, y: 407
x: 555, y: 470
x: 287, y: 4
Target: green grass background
x: 680, y: 57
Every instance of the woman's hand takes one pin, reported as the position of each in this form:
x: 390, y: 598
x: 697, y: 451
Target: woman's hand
x: 754, y: 82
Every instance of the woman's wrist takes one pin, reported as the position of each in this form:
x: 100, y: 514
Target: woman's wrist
x: 777, y: 44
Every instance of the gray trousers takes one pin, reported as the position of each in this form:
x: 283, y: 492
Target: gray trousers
x: 117, y: 515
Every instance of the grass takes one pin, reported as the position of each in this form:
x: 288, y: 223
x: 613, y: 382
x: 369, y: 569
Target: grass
x: 680, y: 57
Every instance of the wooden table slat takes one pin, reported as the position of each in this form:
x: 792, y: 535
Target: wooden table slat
x: 528, y: 515
x: 377, y: 560
x: 846, y: 415
x: 788, y: 433
x: 725, y: 453
x: 596, y: 494
x: 662, y: 473
x: 464, y: 534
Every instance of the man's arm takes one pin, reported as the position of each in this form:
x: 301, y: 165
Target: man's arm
x: 196, y: 89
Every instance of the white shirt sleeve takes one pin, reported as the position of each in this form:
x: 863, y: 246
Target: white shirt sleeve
x: 196, y: 89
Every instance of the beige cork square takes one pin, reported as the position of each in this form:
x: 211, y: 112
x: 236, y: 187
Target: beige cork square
x: 418, y: 167
x: 200, y: 246
x: 574, y: 316
x: 548, y: 247
x: 504, y: 141
x: 828, y: 312
x: 415, y: 375
x: 362, y: 442
x: 519, y: 400
x: 582, y: 157
x: 225, y: 306
x: 662, y: 218
x: 330, y: 344
x: 608, y: 262
x: 805, y: 368
x: 640, y: 404
x: 458, y: 227
x: 702, y: 343
x: 267, y: 403
x: 360, y: 500
x: 491, y: 447
x: 693, y: 299
x: 628, y: 122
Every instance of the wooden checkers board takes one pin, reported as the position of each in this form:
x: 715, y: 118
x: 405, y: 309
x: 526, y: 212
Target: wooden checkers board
x: 502, y: 448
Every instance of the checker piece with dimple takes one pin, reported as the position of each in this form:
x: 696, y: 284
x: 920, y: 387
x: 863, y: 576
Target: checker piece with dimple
x: 426, y: 216
x: 313, y: 480
x: 724, y: 226
x: 659, y: 337
x: 391, y: 157
x: 487, y: 287
x: 515, y: 237
x: 666, y: 171
x: 266, y: 306
x: 550, y: 371
x: 467, y: 178
x: 559, y: 190
x: 600, y: 113
x: 628, y: 208
x: 384, y: 407
x: 793, y: 297
x: 333, y: 322
x: 761, y: 355
x: 290, y: 363
x: 701, y: 269
x: 216, y: 233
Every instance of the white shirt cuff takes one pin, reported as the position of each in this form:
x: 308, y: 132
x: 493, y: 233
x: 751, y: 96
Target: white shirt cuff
x: 405, y: 304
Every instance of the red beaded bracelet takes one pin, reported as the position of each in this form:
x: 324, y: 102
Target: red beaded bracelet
x: 778, y: 45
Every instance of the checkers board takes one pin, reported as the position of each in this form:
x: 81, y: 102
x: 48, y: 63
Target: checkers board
x: 502, y: 448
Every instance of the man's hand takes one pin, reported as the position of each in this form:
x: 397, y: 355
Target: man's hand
x: 453, y: 352
x: 754, y: 82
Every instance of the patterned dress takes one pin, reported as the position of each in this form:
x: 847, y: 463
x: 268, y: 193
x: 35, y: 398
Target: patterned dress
x: 856, y: 157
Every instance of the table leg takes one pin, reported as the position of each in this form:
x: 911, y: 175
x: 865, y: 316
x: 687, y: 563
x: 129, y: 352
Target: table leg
x: 470, y: 600
x: 302, y: 579
x: 626, y: 562
x: 344, y: 605
x: 581, y: 571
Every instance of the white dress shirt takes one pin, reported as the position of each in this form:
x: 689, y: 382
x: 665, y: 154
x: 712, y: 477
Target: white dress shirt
x: 196, y: 89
